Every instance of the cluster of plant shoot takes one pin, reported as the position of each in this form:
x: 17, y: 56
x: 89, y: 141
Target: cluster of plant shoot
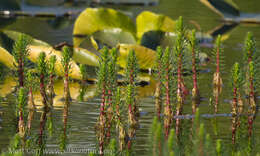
x: 29, y: 80
x: 118, y: 120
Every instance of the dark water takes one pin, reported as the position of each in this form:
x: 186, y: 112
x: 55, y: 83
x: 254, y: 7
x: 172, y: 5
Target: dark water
x: 83, y: 115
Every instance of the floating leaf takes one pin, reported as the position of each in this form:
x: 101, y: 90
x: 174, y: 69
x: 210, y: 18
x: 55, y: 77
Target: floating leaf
x: 14, y: 35
x: 95, y: 19
x: 113, y: 37
x: 36, y: 50
x: 7, y: 59
x: 145, y: 56
x: 84, y: 56
x: 149, y: 21
x: 7, y: 86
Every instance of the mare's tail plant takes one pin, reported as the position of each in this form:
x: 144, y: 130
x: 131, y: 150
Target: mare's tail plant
x: 194, y: 53
x: 179, y: 59
x: 218, y: 53
x: 66, y: 59
x: 112, y: 85
x: 42, y: 71
x: 31, y: 104
x: 252, y: 73
x: 83, y: 86
x: 236, y: 85
x: 102, y: 89
x: 20, y: 53
x: 167, y: 79
x: 159, y: 85
x: 51, y: 74
x: 131, y: 74
x: 217, y: 80
x: 119, y: 120
x: 22, y: 101
x: 252, y: 103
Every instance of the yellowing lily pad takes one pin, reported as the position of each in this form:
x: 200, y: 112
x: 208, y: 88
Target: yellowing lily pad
x: 146, y: 57
x: 7, y: 86
x: 95, y: 19
x: 149, y: 21
x: 7, y: 59
x: 36, y: 50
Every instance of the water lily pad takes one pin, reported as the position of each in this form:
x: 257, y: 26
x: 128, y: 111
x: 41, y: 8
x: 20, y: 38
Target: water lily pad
x: 14, y: 35
x: 36, y: 50
x: 153, y: 39
x: 95, y: 19
x: 113, y: 37
x: 149, y: 21
x: 146, y: 57
x: 7, y: 86
x: 7, y: 59
x: 84, y: 56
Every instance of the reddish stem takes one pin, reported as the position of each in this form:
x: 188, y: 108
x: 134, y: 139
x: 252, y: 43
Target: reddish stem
x: 20, y: 72
x: 42, y: 91
x: 194, y: 71
x: 234, y: 115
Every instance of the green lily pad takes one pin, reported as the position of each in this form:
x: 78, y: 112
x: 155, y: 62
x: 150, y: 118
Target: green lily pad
x: 113, y: 37
x: 149, y: 21
x: 84, y: 56
x: 96, y: 19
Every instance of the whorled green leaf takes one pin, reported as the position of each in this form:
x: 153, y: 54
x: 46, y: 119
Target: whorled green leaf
x: 149, y: 21
x: 145, y: 56
x: 80, y: 55
x: 96, y: 19
x: 49, y: 51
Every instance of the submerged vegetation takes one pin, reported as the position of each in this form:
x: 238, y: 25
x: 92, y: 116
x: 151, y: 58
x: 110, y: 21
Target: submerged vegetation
x: 124, y: 70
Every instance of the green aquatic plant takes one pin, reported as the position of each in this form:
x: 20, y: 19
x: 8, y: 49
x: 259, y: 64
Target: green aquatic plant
x: 42, y: 71
x: 252, y: 102
x: 20, y: 52
x: 237, y: 81
x: 218, y: 54
x: 132, y: 70
x: 83, y: 72
x: 156, y: 137
x: 30, y: 85
x: 41, y: 141
x: 118, y: 106
x: 51, y: 73
x: 193, y: 48
x: 112, y: 85
x: 102, y: 89
x: 31, y: 104
x: 167, y: 82
x: 179, y: 59
x: 22, y: 101
x: 66, y: 64
x: 159, y: 85
x: 83, y: 86
x: 252, y: 74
